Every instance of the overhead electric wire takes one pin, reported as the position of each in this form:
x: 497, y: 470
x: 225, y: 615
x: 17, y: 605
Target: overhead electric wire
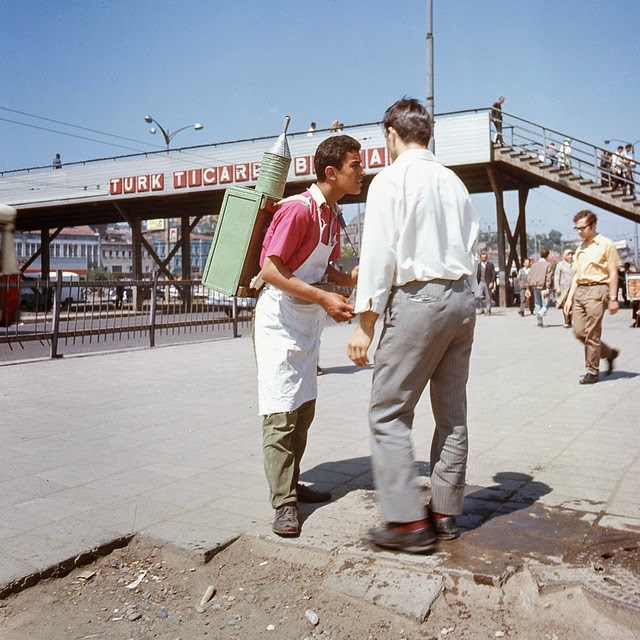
x: 65, y: 133
x: 75, y: 126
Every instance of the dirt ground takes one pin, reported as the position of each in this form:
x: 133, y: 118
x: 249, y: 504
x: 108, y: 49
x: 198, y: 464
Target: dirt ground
x: 144, y: 591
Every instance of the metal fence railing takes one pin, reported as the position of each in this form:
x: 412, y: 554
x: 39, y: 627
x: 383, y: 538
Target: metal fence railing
x: 73, y: 316
x: 563, y: 153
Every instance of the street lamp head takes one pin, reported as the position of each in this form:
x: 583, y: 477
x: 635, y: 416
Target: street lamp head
x: 148, y: 119
x: 197, y: 126
x: 633, y: 144
x: 153, y: 130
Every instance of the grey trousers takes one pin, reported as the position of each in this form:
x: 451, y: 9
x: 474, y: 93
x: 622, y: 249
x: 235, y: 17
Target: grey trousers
x: 484, y: 292
x: 427, y: 338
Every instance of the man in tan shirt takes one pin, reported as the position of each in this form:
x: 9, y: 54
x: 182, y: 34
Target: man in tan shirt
x: 593, y: 291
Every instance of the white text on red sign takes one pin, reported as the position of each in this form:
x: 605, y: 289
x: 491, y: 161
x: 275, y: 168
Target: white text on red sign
x: 226, y: 174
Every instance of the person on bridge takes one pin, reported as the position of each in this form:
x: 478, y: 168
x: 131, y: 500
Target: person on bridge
x: 496, y: 118
x: 552, y: 154
x: 416, y: 266
x: 565, y: 155
x: 57, y: 162
x: 299, y: 246
x: 605, y: 168
x: 617, y: 168
x: 628, y: 170
x: 594, y: 289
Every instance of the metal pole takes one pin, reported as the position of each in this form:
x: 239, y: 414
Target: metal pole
x: 57, y: 304
x: 430, y: 100
x: 635, y: 248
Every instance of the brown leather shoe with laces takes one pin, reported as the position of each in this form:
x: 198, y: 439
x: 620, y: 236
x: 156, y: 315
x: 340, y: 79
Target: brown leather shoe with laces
x: 614, y: 354
x: 286, y: 522
x: 395, y: 536
x: 589, y: 378
x: 446, y: 527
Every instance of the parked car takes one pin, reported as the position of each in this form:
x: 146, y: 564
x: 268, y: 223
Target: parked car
x: 221, y: 301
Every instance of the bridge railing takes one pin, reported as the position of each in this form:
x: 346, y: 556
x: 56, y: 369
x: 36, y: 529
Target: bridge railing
x: 583, y: 160
x: 79, y: 316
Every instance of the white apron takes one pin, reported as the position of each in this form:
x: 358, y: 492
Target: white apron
x: 287, y: 337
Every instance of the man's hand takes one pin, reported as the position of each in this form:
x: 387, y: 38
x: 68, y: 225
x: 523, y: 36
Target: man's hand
x: 567, y: 306
x: 360, y: 341
x: 337, y: 306
x: 358, y: 346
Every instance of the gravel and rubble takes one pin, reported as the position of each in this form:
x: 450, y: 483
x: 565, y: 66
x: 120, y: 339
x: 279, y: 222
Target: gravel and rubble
x: 252, y: 589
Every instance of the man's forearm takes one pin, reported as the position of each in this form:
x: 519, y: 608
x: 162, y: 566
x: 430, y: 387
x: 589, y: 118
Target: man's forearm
x: 368, y: 321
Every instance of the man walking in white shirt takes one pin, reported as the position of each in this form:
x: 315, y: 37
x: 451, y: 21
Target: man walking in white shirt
x: 415, y: 267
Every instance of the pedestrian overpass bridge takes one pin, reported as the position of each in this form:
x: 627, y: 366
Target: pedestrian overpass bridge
x: 189, y: 183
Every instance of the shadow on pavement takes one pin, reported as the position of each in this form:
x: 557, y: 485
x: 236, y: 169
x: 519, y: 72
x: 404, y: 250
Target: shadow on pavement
x: 512, y: 491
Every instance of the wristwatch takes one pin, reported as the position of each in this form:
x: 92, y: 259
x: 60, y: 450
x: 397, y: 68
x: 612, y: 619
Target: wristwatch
x: 613, y: 299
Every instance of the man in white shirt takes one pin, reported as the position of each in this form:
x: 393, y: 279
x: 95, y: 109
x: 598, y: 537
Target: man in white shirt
x: 415, y: 267
x: 628, y: 167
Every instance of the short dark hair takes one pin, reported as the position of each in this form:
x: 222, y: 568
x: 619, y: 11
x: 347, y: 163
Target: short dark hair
x: 410, y: 120
x: 331, y: 152
x: 544, y: 252
x: 586, y: 214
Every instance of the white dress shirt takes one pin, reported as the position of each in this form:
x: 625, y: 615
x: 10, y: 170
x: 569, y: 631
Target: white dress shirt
x: 419, y: 225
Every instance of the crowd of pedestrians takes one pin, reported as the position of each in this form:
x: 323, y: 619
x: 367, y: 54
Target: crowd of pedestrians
x: 538, y: 285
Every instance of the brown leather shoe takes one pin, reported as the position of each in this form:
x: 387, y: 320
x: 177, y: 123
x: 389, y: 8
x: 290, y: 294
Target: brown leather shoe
x: 446, y: 527
x: 286, y: 522
x: 614, y: 354
x: 394, y: 537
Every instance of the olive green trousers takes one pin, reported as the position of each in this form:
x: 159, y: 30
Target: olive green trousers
x: 284, y: 440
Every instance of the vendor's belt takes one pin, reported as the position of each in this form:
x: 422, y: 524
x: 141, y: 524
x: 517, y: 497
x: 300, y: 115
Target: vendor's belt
x: 592, y: 284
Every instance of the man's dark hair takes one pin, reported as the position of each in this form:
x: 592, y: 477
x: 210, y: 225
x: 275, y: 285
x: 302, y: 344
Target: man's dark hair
x: 410, y: 119
x: 331, y: 153
x: 544, y: 253
x: 588, y: 216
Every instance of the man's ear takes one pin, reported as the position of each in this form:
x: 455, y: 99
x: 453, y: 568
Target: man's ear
x: 330, y: 173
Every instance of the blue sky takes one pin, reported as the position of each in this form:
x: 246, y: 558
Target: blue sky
x: 239, y: 67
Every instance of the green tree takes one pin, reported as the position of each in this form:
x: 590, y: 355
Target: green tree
x: 551, y: 240
x: 98, y: 273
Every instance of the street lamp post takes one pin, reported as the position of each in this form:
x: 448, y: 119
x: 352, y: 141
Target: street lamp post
x: 168, y: 137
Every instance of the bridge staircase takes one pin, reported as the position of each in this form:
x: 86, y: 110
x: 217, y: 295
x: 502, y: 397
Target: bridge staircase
x: 523, y: 162
x: 525, y: 156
